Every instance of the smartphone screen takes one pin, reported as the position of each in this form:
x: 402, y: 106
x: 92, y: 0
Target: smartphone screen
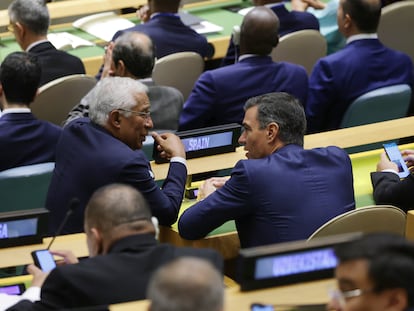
x: 394, y: 155
x: 44, y: 260
x: 261, y: 307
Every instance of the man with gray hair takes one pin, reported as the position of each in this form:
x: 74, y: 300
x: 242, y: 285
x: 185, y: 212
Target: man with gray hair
x: 186, y: 284
x: 282, y: 192
x: 29, y: 22
x: 106, y: 149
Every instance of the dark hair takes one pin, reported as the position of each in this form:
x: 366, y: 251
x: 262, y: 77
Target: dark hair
x: 33, y: 14
x: 138, y: 58
x: 364, y: 13
x: 20, y: 77
x: 390, y: 260
x: 283, y: 109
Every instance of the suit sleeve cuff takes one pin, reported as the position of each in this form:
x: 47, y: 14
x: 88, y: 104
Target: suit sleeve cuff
x: 180, y: 160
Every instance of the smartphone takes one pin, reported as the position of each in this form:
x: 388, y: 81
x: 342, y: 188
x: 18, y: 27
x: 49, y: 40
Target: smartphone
x: 261, y: 307
x: 44, y: 260
x: 394, y: 155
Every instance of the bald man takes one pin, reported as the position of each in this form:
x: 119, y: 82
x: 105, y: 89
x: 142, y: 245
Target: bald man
x: 219, y: 95
x: 186, y: 284
x: 123, y: 256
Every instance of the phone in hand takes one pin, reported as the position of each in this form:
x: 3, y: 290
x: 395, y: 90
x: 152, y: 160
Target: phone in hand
x: 44, y: 260
x: 261, y: 307
x: 394, y: 155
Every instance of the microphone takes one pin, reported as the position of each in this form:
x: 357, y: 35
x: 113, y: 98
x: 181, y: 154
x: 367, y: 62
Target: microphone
x: 73, y: 204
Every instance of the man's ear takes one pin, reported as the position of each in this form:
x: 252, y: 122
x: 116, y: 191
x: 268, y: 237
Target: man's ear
x: 114, y: 119
x: 348, y: 21
x: 397, y: 299
x: 20, y: 30
x: 121, y: 69
x: 97, y: 240
x: 272, y: 131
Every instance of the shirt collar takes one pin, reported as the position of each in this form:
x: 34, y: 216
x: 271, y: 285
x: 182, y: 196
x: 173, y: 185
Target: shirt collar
x: 36, y: 43
x: 361, y: 36
x: 15, y: 110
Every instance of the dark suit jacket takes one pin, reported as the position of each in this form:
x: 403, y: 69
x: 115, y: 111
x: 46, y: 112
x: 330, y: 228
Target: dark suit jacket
x: 170, y: 35
x: 88, y: 157
x: 56, y: 64
x: 390, y: 189
x: 121, y: 275
x: 219, y: 95
x: 26, y: 140
x: 338, y: 79
x: 283, y: 197
x: 166, y: 105
x: 289, y: 21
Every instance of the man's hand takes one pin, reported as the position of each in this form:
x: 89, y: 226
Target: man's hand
x: 303, y: 5
x: 386, y: 164
x: 408, y: 156
x: 169, y: 145
x: 143, y: 13
x: 68, y: 256
x: 210, y: 185
x: 39, y: 276
x: 107, y: 71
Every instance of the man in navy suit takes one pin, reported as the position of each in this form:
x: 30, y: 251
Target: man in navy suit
x: 282, y: 192
x: 30, y: 22
x: 219, y: 95
x: 168, y: 33
x: 289, y: 21
x: 106, y: 149
x: 24, y: 139
x: 363, y: 65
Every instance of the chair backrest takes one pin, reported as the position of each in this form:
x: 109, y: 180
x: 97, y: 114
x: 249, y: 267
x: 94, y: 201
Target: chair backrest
x: 396, y: 25
x: 303, y: 47
x: 25, y: 187
x: 57, y: 98
x: 180, y: 70
x: 386, y: 103
x: 373, y: 218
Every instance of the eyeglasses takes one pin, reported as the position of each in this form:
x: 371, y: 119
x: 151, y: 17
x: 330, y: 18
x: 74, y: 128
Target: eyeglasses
x: 144, y: 115
x: 342, y: 296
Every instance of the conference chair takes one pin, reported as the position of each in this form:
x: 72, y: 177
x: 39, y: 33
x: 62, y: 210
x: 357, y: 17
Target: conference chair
x: 396, y: 25
x: 373, y: 218
x: 57, y: 98
x: 180, y: 70
x: 303, y: 47
x: 25, y: 187
x: 386, y: 103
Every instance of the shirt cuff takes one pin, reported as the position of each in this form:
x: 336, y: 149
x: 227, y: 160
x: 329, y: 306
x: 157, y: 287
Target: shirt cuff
x: 180, y: 160
x: 389, y: 170
x: 32, y: 293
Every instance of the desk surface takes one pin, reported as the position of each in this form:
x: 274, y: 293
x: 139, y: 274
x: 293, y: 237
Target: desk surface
x: 302, y: 293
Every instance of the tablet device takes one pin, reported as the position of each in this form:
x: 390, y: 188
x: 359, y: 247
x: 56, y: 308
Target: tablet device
x: 13, y: 289
x: 394, y: 155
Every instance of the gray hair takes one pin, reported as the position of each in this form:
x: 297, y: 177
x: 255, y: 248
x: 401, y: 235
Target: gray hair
x: 113, y: 93
x: 33, y: 14
x: 283, y: 109
x: 186, y: 284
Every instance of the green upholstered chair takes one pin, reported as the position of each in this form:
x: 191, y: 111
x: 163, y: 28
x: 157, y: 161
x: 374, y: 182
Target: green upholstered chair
x: 382, y: 104
x: 25, y: 187
x: 373, y: 218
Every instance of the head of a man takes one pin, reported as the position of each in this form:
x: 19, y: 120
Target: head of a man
x: 358, y: 16
x: 375, y: 273
x: 113, y: 212
x: 19, y: 78
x: 163, y: 6
x: 29, y: 21
x: 122, y: 107
x: 259, y: 32
x: 186, y: 284
x: 133, y: 56
x: 270, y: 122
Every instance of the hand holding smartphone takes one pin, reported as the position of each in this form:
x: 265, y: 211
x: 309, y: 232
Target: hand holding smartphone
x: 44, y: 260
x: 394, y: 155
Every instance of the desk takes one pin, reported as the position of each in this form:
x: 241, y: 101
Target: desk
x: 92, y: 56
x: 303, y: 293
